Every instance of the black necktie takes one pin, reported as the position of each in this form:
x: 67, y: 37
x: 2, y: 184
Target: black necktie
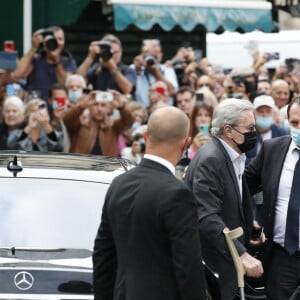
x: 291, y: 243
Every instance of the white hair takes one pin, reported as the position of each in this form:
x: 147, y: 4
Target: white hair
x: 16, y: 101
x: 229, y: 112
x: 75, y: 76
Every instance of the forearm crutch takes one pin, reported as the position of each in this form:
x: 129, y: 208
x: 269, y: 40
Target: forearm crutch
x: 230, y: 235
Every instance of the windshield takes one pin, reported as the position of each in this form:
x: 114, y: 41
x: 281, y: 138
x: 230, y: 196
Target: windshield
x: 50, y: 214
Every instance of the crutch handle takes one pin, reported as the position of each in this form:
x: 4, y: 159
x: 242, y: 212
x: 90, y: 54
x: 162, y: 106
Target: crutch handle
x: 230, y: 235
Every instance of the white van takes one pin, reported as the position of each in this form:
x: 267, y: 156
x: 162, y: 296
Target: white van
x: 228, y: 49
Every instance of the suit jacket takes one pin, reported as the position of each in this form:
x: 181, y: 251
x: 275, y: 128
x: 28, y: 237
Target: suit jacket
x: 147, y: 246
x: 213, y: 180
x: 263, y: 173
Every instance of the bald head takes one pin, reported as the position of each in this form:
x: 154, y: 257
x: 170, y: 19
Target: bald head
x: 167, y: 126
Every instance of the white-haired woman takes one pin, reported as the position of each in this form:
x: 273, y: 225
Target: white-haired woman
x: 13, y: 117
x: 38, y: 134
x: 75, y: 84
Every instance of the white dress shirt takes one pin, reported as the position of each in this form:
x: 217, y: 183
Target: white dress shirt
x: 284, y: 191
x: 238, y: 161
x: 161, y: 161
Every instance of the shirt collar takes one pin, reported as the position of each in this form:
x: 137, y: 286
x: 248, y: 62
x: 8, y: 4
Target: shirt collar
x: 161, y: 161
x: 231, y: 152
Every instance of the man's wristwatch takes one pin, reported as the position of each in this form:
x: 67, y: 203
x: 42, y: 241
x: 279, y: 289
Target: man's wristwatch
x: 114, y: 71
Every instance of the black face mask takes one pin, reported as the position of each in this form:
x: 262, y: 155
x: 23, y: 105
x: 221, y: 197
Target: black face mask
x: 250, y: 139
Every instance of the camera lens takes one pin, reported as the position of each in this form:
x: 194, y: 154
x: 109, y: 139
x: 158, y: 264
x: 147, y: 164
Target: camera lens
x: 50, y: 42
x: 150, y: 60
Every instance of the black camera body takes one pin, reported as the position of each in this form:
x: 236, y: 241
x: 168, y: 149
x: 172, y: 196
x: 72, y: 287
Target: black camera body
x: 105, y: 50
x: 150, y: 60
x: 49, y: 39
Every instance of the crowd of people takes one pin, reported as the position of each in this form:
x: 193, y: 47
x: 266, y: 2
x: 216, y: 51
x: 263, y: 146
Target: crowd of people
x: 102, y: 106
x: 72, y: 113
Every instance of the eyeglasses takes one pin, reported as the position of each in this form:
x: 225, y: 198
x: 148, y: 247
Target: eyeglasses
x: 250, y: 128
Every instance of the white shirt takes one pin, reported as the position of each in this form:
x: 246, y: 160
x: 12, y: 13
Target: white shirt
x: 161, y: 161
x: 238, y: 162
x: 284, y: 191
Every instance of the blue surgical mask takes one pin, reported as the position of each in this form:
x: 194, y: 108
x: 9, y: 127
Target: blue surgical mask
x: 264, y: 122
x: 295, y: 134
x: 73, y: 96
x: 135, y: 126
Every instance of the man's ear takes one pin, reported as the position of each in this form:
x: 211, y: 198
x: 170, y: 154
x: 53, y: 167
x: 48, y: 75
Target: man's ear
x: 227, y: 131
x: 186, y: 143
x: 145, y: 135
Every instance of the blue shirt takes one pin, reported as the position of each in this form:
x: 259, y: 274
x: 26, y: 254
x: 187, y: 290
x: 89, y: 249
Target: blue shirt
x: 43, y: 75
x: 102, y: 79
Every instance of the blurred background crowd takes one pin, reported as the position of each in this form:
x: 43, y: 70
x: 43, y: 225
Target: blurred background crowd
x: 49, y: 102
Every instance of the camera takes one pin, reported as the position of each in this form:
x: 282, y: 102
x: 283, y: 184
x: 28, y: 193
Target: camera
x: 105, y: 50
x: 49, y: 39
x: 150, y: 60
x: 104, y: 96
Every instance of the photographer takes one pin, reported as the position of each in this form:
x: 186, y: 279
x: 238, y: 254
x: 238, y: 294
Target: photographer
x: 53, y: 64
x: 103, y: 67
x: 98, y: 136
x: 149, y: 69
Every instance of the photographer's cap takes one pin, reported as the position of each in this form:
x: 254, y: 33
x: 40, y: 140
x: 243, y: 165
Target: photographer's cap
x: 263, y: 100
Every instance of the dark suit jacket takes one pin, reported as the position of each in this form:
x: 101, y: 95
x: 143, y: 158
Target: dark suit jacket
x: 263, y: 173
x: 148, y: 246
x: 212, y: 178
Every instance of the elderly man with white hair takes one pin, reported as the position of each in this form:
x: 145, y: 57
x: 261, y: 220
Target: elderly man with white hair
x: 215, y: 175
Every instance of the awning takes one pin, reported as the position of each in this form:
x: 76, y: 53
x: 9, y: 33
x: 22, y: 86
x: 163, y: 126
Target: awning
x: 212, y: 14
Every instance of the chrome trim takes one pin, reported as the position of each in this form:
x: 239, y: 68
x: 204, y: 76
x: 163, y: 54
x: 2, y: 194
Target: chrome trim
x: 24, y: 267
x: 45, y: 297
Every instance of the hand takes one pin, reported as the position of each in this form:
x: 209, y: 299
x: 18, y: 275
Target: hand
x: 94, y: 49
x: 252, y: 266
x: 55, y: 55
x: 58, y: 113
x: 261, y: 239
x: 119, y: 101
x: 138, y: 62
x: 87, y: 100
x: 199, y: 140
x: 32, y: 121
x: 37, y: 39
x: 43, y: 118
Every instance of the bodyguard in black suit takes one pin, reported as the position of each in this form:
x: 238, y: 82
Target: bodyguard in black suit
x: 276, y: 170
x: 215, y: 176
x: 147, y: 246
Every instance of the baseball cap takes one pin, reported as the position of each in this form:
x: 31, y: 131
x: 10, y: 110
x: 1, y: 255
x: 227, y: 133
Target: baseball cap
x: 263, y: 100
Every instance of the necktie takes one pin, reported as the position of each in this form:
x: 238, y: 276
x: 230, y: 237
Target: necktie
x: 291, y: 243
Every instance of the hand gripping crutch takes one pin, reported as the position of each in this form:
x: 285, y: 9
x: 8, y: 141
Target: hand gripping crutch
x: 230, y: 235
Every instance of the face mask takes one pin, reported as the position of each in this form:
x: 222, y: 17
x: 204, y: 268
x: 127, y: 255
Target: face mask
x: 73, y: 96
x: 250, y: 139
x: 295, y: 134
x: 264, y: 122
x: 135, y: 126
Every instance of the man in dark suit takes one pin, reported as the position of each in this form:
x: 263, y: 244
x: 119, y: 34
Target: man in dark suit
x: 275, y: 171
x: 215, y: 176
x: 147, y: 246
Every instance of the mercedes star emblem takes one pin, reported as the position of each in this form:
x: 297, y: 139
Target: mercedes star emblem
x: 23, y: 280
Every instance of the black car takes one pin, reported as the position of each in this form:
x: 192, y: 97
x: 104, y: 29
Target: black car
x: 50, y: 207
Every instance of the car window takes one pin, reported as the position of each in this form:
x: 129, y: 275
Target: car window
x: 48, y: 213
